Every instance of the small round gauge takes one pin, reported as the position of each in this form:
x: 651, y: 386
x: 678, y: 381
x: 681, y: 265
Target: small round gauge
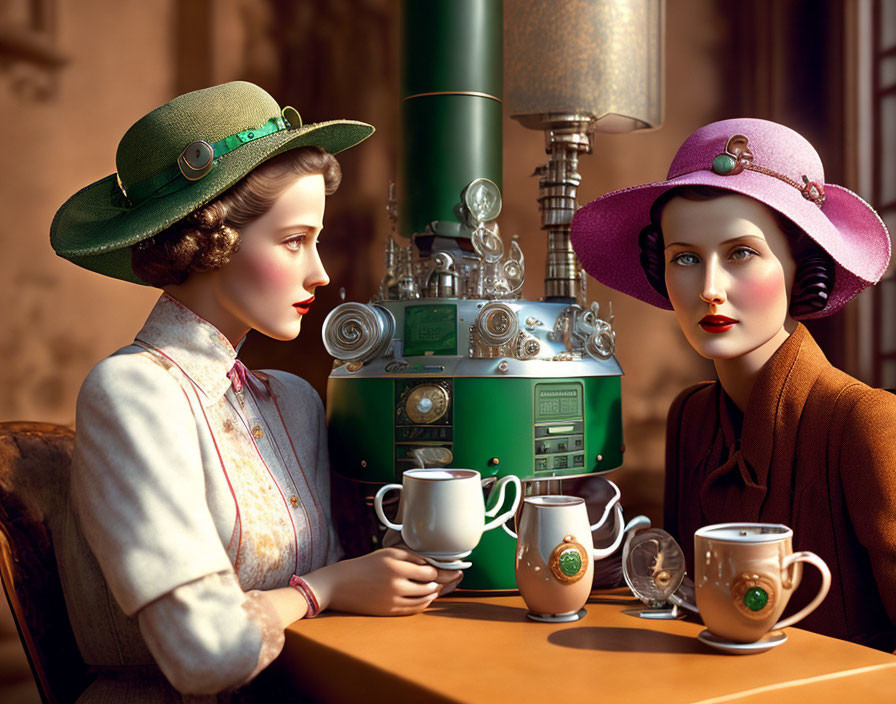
x: 482, y: 198
x: 426, y: 403
x: 496, y: 323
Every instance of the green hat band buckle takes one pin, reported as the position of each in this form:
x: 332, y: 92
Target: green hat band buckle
x: 199, y: 158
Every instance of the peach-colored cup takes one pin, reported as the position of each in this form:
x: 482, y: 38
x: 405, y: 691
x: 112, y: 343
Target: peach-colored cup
x: 555, y: 553
x: 744, y: 576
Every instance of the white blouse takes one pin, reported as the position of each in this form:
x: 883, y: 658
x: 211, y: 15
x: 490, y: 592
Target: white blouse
x: 195, y: 491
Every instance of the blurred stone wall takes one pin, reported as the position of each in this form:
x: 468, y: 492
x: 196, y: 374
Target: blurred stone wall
x: 59, y: 320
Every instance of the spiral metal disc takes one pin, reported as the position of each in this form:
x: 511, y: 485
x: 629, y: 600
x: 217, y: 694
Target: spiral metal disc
x: 357, y: 332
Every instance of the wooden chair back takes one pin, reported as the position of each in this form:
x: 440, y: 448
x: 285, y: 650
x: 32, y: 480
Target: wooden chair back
x: 34, y: 472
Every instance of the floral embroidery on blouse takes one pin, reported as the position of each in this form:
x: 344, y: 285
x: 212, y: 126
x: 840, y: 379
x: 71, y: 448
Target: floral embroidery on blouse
x: 271, y: 524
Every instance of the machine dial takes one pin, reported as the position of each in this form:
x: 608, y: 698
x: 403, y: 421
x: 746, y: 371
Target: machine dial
x: 496, y: 324
x: 426, y: 403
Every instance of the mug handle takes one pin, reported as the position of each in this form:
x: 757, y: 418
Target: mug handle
x: 614, y: 507
x: 610, y: 504
x: 812, y: 559
x: 378, y: 506
x: 501, y: 485
x: 601, y: 553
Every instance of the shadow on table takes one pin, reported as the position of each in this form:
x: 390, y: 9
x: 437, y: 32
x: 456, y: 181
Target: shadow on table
x: 626, y: 640
x: 477, y: 611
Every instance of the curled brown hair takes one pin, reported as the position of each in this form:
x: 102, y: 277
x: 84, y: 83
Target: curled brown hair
x: 814, y: 278
x: 208, y: 237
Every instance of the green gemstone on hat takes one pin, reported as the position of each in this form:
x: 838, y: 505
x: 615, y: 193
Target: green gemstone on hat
x: 570, y: 563
x: 723, y: 164
x: 756, y: 598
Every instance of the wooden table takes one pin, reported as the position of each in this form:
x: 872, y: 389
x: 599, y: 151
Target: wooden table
x: 484, y: 649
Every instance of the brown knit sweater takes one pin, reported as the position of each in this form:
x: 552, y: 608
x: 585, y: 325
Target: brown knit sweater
x: 815, y: 450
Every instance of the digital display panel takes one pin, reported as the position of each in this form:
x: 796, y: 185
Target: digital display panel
x: 561, y: 401
x: 559, y: 427
x: 430, y: 330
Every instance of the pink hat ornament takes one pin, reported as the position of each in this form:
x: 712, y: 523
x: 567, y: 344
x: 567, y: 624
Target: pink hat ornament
x: 757, y: 158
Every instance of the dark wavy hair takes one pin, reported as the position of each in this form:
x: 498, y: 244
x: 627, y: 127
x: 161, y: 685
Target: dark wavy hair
x: 814, y: 278
x: 208, y: 237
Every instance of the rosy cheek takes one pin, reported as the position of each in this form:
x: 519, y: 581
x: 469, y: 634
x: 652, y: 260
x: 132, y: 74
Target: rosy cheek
x: 270, y: 273
x: 765, y: 289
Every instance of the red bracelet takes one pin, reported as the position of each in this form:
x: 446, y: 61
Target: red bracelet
x: 301, y: 586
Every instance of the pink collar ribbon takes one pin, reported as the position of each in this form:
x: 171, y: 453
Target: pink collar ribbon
x: 238, y: 375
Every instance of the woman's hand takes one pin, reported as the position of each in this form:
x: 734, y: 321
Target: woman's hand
x: 388, y: 582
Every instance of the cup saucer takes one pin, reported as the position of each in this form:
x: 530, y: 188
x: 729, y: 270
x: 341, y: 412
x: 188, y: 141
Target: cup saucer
x: 767, y: 642
x: 557, y: 618
x: 447, y: 565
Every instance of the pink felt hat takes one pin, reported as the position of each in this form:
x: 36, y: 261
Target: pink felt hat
x: 760, y: 159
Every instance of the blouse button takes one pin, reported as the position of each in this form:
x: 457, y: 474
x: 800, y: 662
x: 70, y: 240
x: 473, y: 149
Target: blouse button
x: 257, y: 431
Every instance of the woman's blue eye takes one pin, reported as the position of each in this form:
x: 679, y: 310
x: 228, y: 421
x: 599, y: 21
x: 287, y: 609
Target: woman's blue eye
x: 295, y: 243
x: 685, y: 259
x: 742, y: 253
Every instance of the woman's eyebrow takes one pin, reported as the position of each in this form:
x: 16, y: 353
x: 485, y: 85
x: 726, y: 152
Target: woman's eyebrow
x: 738, y: 238
x: 730, y: 240
x: 296, y: 228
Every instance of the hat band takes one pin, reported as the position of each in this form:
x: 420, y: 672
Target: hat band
x: 738, y: 156
x: 198, y: 159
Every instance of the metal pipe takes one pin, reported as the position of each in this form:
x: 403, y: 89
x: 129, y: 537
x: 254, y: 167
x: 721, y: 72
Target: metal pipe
x: 451, y: 105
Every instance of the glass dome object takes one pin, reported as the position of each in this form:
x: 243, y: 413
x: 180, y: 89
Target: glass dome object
x: 653, y: 566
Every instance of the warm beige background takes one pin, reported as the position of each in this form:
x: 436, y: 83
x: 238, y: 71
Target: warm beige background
x: 329, y: 59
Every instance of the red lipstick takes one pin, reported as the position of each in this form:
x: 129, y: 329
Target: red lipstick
x: 303, y: 306
x: 716, y: 323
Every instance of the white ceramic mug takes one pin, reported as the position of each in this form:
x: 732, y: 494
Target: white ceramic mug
x: 443, y: 511
x: 744, y: 576
x: 555, y: 553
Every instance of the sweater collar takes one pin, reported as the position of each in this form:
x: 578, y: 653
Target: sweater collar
x: 201, y: 351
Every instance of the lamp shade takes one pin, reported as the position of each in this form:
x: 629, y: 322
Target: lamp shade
x: 597, y: 58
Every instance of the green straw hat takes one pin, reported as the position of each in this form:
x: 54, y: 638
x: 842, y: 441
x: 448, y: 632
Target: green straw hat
x: 177, y: 158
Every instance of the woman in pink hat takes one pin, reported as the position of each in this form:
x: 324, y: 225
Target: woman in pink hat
x: 741, y: 241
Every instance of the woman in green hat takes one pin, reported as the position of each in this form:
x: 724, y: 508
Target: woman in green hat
x: 201, y: 520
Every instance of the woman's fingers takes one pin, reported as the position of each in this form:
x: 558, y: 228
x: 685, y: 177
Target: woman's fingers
x: 448, y: 576
x: 405, y: 555
x: 419, y: 573
x: 411, y: 589
x: 412, y: 566
x: 411, y: 605
x: 450, y: 586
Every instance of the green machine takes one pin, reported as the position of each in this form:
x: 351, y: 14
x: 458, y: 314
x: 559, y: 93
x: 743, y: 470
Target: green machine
x: 447, y: 365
